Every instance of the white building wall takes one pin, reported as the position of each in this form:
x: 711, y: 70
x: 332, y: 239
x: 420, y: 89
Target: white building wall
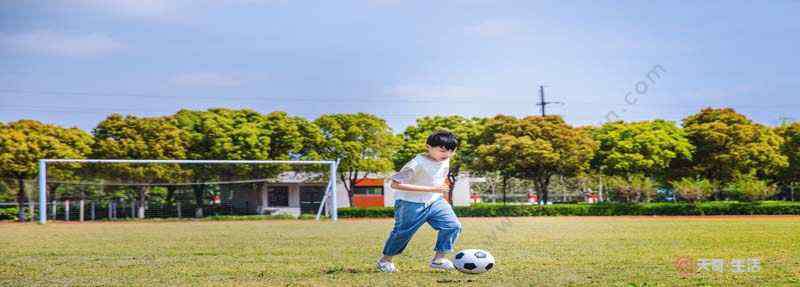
x: 342, y: 199
x: 388, y: 193
x: 461, y: 193
x: 294, y: 195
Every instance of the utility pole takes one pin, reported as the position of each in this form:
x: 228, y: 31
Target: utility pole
x: 544, y: 103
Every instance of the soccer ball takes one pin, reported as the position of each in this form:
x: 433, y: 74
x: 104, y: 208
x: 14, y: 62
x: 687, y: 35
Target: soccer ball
x: 473, y: 261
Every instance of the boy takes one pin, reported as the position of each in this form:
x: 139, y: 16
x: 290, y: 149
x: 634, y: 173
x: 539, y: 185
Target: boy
x: 419, y: 186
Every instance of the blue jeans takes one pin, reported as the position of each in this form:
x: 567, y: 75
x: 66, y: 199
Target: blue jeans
x: 409, y: 216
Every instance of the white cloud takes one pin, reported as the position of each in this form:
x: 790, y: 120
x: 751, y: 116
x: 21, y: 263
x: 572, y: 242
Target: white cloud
x: 52, y: 43
x: 493, y: 28
x: 204, y: 79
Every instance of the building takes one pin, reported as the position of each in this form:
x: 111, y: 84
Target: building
x: 291, y: 193
x: 377, y: 191
x: 301, y: 193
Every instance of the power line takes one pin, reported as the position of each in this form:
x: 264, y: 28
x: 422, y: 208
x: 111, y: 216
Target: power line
x: 258, y: 99
x: 544, y: 103
x: 367, y: 99
x: 106, y: 111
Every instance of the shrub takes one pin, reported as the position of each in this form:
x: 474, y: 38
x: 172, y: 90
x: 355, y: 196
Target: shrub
x: 636, y: 188
x: 601, y: 209
x: 750, y: 188
x: 693, y: 190
x: 9, y: 213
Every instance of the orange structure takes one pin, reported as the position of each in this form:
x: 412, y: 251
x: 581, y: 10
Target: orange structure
x: 368, y: 192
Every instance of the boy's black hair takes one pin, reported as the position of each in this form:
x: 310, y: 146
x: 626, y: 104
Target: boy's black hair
x: 444, y: 139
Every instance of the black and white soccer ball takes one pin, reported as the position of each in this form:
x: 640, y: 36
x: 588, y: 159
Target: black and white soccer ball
x: 473, y: 261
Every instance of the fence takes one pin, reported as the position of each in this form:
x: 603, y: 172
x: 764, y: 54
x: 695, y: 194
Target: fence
x: 523, y: 198
x: 77, y: 210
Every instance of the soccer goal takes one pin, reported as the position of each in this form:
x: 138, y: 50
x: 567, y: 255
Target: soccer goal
x: 113, y: 189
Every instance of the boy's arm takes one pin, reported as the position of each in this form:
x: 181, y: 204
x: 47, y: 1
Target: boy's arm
x: 418, y: 188
x: 401, y: 180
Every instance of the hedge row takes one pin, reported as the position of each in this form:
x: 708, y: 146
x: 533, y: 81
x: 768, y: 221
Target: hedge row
x: 9, y: 213
x: 603, y: 209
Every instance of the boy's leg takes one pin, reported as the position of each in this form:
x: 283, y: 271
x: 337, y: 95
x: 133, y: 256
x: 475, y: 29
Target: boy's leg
x: 408, y: 217
x: 442, y: 218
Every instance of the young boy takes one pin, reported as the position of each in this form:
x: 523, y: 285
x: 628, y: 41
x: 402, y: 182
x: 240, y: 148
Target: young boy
x: 419, y: 187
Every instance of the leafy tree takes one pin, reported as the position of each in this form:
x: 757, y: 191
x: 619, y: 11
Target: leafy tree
x: 23, y: 143
x: 749, y: 188
x: 633, y: 188
x: 131, y: 137
x: 224, y: 134
x: 286, y: 139
x: 415, y: 136
x: 534, y: 148
x: 493, y: 183
x: 728, y: 145
x: 362, y: 142
x: 693, y: 190
x: 227, y: 134
x: 646, y: 147
x: 491, y: 157
x: 790, y: 175
x: 5, y: 192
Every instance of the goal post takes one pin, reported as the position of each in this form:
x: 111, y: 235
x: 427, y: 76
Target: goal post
x: 329, y: 195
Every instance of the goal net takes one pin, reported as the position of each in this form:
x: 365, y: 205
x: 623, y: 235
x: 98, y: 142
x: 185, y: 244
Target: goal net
x: 107, y: 189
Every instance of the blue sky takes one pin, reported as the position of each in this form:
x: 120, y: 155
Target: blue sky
x: 73, y: 62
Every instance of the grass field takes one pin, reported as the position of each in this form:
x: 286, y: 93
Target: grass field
x: 538, y: 251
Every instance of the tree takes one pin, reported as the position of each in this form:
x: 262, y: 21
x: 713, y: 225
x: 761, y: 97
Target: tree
x: 693, y: 190
x: 284, y: 134
x: 491, y: 157
x: 790, y: 175
x: 646, y: 147
x: 749, y: 188
x: 535, y: 148
x: 362, y: 142
x: 245, y: 135
x: 5, y: 192
x: 225, y: 134
x: 415, y: 136
x: 312, y: 140
x: 131, y: 137
x: 727, y: 145
x: 25, y: 142
x: 294, y: 138
x: 633, y: 188
x: 77, y: 172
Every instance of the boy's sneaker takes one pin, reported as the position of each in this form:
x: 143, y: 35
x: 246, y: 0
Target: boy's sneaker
x: 386, y: 266
x: 443, y: 265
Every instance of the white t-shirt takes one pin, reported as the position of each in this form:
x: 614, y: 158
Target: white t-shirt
x: 421, y: 170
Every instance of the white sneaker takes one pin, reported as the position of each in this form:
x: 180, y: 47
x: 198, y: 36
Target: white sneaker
x: 386, y: 267
x: 443, y: 265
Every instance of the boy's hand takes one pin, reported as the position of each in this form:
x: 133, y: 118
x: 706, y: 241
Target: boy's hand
x: 442, y: 188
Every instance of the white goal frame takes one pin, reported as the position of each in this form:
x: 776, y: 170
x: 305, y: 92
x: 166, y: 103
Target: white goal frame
x: 330, y: 191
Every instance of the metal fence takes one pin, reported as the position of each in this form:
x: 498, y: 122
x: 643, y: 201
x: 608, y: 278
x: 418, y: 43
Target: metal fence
x: 76, y: 210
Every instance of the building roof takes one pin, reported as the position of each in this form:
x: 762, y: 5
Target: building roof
x: 369, y: 182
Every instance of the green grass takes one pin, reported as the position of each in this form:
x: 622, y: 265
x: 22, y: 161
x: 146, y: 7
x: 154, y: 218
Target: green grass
x: 538, y: 251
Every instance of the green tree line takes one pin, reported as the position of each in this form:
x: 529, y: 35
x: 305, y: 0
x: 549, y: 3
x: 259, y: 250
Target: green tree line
x: 716, y: 153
